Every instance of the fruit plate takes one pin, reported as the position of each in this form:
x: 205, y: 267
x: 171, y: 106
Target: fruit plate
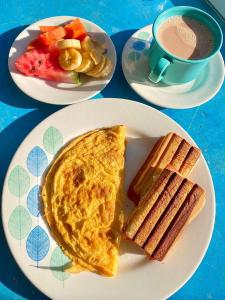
x: 28, y: 237
x: 50, y: 91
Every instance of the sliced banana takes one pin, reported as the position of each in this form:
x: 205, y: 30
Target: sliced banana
x: 87, y: 44
x: 96, y: 56
x: 69, y: 43
x: 86, y: 65
x: 70, y: 59
x: 106, y: 70
x: 98, y: 68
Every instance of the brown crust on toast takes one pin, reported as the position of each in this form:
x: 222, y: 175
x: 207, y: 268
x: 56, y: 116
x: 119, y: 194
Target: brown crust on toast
x: 161, y: 215
x: 171, y: 152
x: 158, y: 209
x: 146, y: 203
x: 189, y: 161
x: 178, y: 223
x: 132, y: 194
x: 179, y: 156
x: 168, y: 216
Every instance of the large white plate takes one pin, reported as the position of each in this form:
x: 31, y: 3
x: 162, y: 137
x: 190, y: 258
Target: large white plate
x: 191, y: 94
x: 36, y: 252
x: 50, y: 91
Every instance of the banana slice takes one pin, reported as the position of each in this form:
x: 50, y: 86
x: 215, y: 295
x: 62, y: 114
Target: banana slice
x: 98, y: 68
x: 69, y: 43
x: 87, y: 44
x: 86, y: 65
x: 96, y: 55
x: 106, y: 70
x: 70, y: 59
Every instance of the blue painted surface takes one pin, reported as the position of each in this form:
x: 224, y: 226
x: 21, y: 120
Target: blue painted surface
x: 19, y: 114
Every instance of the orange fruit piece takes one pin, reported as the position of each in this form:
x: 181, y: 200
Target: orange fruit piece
x: 75, y: 30
x: 52, y: 36
x: 47, y: 28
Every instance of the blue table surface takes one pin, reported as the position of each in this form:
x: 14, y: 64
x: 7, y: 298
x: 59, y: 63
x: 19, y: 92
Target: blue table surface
x: 19, y: 114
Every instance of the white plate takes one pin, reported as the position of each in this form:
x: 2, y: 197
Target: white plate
x: 135, y: 69
x: 138, y: 278
x: 50, y: 91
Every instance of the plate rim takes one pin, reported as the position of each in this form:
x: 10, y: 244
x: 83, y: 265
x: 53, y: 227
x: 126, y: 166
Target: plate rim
x: 68, y: 102
x: 209, y: 97
x: 117, y: 100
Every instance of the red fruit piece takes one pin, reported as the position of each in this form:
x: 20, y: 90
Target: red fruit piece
x: 35, y: 44
x: 75, y: 30
x: 50, y: 37
x: 37, y: 63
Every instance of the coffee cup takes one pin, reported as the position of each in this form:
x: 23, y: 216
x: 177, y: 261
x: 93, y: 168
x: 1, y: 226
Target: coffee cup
x: 184, y: 40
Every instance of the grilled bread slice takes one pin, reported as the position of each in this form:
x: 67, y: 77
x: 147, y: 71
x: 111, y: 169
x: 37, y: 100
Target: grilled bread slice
x: 171, y: 152
x: 171, y: 203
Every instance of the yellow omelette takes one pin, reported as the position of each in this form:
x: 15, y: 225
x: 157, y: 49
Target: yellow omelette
x: 82, y: 195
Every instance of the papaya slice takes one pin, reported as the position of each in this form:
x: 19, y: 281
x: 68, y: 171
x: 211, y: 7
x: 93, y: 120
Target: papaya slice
x: 47, y: 28
x: 75, y: 30
x: 52, y: 36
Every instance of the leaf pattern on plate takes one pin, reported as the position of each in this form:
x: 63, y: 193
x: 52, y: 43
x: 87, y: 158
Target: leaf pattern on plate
x: 52, y: 140
x: 139, y: 45
x: 134, y: 56
x: 19, y: 181
x: 144, y: 35
x: 20, y: 222
x: 57, y: 262
x: 33, y: 203
x: 37, y: 244
x: 37, y: 161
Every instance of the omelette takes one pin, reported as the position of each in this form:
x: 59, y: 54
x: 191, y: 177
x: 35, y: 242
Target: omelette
x: 82, y: 196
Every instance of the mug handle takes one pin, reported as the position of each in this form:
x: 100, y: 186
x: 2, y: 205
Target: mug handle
x: 157, y: 73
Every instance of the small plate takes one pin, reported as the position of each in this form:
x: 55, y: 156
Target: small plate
x: 54, y: 92
x: 29, y: 239
x: 194, y: 93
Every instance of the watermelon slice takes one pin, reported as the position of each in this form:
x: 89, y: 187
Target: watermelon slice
x: 43, y: 64
x: 36, y: 44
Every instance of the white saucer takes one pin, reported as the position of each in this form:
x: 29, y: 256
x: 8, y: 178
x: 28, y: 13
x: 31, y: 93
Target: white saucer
x: 194, y: 93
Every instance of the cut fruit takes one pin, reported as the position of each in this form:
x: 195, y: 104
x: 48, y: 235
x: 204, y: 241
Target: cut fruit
x: 77, y: 78
x: 86, y: 65
x: 44, y: 65
x: 87, y: 44
x: 96, y: 56
x: 69, y: 43
x: 98, y: 68
x: 70, y: 59
x: 35, y: 44
x: 47, y: 28
x: 52, y: 36
x: 106, y: 70
x: 75, y: 30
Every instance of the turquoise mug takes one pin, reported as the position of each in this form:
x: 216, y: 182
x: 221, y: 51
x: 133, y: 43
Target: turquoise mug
x: 170, y: 69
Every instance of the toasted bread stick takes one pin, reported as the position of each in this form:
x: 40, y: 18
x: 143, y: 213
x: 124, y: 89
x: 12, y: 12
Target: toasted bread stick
x: 171, y: 152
